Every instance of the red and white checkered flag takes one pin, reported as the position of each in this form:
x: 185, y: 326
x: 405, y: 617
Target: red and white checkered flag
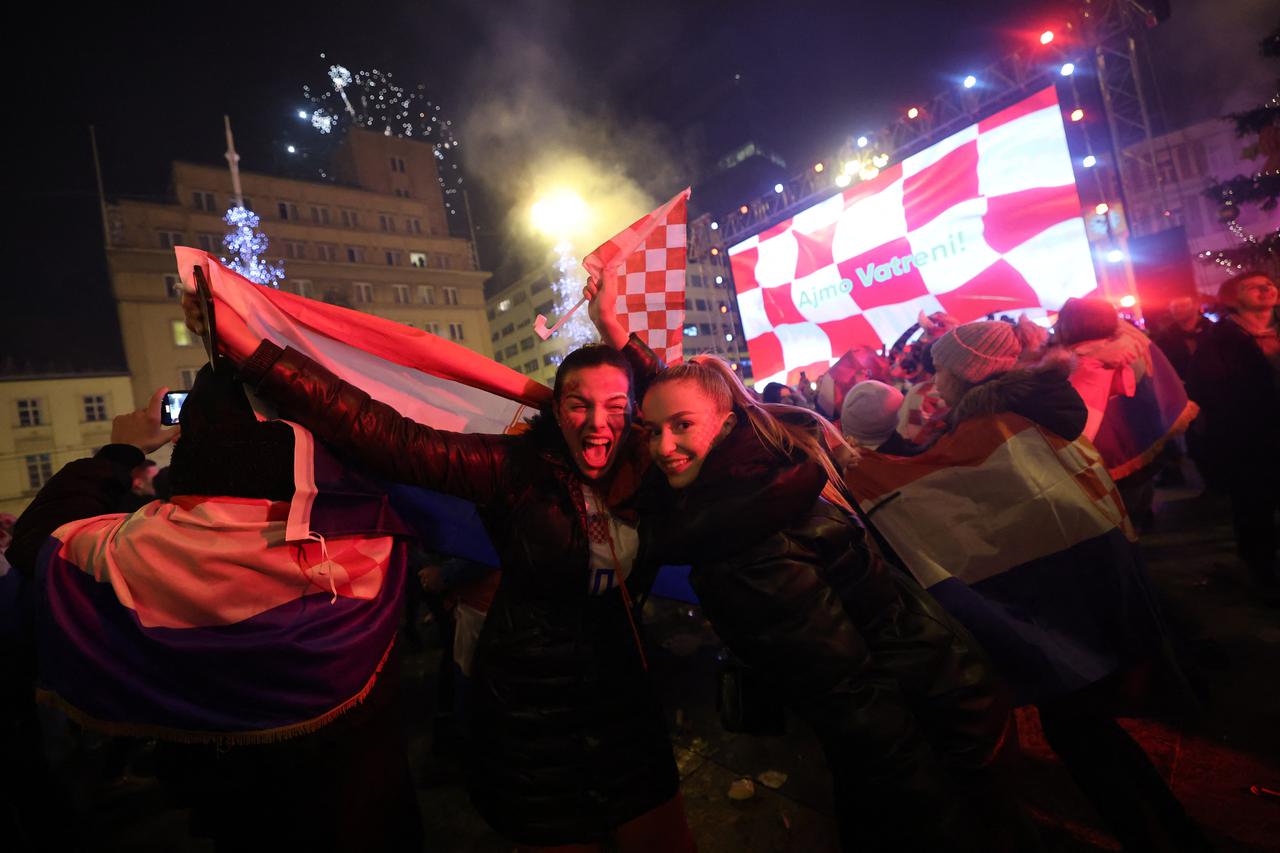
x: 647, y: 261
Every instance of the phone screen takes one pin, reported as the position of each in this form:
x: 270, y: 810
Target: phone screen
x: 171, y: 409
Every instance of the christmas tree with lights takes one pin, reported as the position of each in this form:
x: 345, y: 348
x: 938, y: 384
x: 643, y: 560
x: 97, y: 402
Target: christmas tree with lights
x: 1262, y: 125
x: 245, y: 244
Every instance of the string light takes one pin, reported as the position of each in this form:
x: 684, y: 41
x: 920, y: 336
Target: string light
x: 246, y: 245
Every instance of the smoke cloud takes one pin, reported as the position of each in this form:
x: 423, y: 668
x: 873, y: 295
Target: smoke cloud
x: 537, y: 121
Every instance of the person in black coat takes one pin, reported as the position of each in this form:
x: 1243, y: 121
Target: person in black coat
x: 569, y: 743
x: 980, y: 374
x: 906, y: 705
x: 1235, y: 377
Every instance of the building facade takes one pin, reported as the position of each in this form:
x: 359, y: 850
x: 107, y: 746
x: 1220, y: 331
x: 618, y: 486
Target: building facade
x: 1188, y: 162
x: 376, y: 241
x: 47, y: 421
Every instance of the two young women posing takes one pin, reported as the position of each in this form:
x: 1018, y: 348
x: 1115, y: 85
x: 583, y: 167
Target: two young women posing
x: 570, y: 746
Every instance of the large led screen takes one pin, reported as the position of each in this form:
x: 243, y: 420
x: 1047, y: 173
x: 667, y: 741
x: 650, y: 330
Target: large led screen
x: 987, y: 220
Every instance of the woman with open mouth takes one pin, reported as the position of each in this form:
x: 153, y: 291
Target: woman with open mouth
x: 569, y: 745
x: 905, y: 703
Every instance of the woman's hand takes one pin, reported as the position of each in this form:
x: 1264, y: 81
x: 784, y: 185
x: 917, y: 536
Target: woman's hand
x: 142, y: 428
x: 235, y: 341
x: 602, y: 302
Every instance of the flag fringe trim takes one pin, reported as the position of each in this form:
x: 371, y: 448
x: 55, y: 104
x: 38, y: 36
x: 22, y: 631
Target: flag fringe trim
x: 221, y: 739
x: 1142, y: 460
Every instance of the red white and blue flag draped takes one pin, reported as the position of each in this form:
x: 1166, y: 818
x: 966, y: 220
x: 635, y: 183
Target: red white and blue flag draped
x: 224, y: 620
x: 244, y: 621
x: 1022, y: 536
x: 987, y: 220
x: 1134, y: 409
x: 423, y: 376
x: 648, y: 262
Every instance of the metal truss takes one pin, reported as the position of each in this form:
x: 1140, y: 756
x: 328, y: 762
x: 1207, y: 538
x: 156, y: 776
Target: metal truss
x: 1101, y: 30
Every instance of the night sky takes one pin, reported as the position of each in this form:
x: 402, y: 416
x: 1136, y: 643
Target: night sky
x: 653, y: 81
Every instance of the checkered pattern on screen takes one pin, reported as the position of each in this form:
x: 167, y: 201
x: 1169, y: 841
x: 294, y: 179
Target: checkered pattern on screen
x: 987, y: 220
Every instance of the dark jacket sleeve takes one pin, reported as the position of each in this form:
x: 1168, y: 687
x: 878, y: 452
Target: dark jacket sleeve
x: 465, y: 465
x: 644, y: 362
x: 781, y: 616
x: 82, y: 489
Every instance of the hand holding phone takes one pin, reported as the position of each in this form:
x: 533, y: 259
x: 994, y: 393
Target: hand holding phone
x: 143, y: 428
x: 171, y: 407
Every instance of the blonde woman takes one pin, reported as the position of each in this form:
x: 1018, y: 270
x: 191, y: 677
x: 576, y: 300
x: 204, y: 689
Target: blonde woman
x: 904, y: 702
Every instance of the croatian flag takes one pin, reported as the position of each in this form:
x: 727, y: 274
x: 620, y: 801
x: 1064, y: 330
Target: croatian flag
x: 221, y: 619
x: 648, y: 261
x: 987, y: 220
x: 1023, y: 537
x: 424, y: 377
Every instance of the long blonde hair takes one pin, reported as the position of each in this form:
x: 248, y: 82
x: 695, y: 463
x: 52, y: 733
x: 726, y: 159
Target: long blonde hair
x: 722, y: 386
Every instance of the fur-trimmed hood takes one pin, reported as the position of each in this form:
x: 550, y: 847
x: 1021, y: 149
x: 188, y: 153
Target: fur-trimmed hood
x: 1039, y: 392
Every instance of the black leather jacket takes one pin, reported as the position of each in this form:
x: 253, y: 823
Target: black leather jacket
x: 568, y: 741
x: 899, y: 694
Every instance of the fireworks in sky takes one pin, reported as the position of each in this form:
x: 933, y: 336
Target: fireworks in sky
x: 373, y: 100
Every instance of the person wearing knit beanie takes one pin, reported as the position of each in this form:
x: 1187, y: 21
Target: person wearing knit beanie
x: 870, y: 413
x: 976, y: 351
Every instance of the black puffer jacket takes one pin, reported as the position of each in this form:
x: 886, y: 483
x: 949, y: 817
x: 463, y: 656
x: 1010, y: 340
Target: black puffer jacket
x: 899, y: 694
x: 569, y: 741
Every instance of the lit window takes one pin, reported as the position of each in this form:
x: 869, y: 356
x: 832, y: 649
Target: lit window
x: 363, y: 292
x: 418, y: 259
x: 39, y: 470
x: 95, y: 408
x: 29, y: 413
x: 181, y: 334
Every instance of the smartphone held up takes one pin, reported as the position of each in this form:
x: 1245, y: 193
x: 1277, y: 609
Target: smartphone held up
x: 171, y: 408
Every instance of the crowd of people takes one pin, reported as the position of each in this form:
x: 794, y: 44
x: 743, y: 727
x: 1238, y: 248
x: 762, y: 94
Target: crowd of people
x: 140, y: 613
